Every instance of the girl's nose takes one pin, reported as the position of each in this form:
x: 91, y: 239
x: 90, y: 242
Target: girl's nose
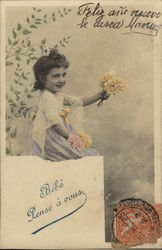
x: 61, y: 79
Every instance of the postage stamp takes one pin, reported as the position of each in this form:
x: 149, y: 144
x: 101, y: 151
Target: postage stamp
x: 136, y: 222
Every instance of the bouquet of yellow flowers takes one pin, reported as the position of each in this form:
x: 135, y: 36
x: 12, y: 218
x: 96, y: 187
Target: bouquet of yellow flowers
x: 111, y: 85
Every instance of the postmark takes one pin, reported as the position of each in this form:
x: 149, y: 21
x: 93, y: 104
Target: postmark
x: 135, y: 222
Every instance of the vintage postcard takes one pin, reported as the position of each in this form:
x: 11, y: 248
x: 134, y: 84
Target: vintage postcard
x: 81, y: 124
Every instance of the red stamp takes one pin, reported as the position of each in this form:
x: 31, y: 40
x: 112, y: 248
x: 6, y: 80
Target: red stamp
x: 135, y: 222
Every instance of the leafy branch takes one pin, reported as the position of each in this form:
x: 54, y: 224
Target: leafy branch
x: 24, y: 47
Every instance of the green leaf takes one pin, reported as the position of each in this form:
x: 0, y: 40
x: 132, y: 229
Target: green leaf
x: 18, y: 58
x: 8, y: 129
x: 19, y: 154
x: 54, y: 19
x: 19, y: 111
x: 62, y: 44
x: 18, y: 115
x: 32, y: 16
x: 12, y: 109
x: 53, y: 14
x: 28, y: 43
x: 18, y: 50
x: 32, y: 49
x: 25, y: 78
x: 17, y: 92
x: 24, y: 113
x: 13, y: 133
x: 34, y: 8
x: 27, y: 61
x: 10, y: 100
x: 26, y: 32
x: 38, y: 19
x: 19, y: 26
x: 43, y: 41
x: 14, y: 33
x: 17, y: 98
x: 13, y: 105
x: 16, y: 81
x: 45, y: 15
x: 11, y: 88
x: 33, y: 58
x: 33, y: 26
x: 9, y: 63
x: 37, y: 22
x: 16, y: 42
x: 39, y: 10
x: 29, y: 96
x: 22, y: 103
x: 27, y: 109
x: 8, y: 151
x: 9, y: 41
x: 27, y: 20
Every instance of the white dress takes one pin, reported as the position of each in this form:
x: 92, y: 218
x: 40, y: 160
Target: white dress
x: 44, y: 141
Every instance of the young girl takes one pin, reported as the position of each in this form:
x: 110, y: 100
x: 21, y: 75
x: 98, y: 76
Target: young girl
x: 55, y: 132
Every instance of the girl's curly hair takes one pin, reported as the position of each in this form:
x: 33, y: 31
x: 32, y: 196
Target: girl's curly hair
x: 45, y: 63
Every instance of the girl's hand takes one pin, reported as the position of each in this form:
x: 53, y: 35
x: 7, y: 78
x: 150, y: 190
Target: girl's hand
x: 104, y: 95
x: 76, y: 142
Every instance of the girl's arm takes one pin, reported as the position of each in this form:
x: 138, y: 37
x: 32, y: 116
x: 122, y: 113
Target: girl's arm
x: 91, y: 99
x: 73, y: 139
x: 61, y: 130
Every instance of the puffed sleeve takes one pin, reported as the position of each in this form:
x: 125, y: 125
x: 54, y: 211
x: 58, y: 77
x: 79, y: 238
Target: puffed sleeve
x: 72, y: 100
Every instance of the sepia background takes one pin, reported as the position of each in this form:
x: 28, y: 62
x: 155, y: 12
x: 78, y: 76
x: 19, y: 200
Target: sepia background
x: 122, y: 128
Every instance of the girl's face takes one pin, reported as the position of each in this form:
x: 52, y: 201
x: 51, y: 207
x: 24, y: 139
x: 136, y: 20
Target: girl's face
x: 55, y: 80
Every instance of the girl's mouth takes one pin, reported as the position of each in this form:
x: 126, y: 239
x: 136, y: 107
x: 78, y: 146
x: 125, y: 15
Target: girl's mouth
x: 60, y: 85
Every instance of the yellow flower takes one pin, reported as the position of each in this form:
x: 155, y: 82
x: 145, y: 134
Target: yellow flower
x: 112, y: 85
x: 64, y: 114
x: 32, y: 116
x: 86, y: 139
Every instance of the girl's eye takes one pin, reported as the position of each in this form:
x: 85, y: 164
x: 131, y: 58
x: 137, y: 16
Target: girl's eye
x: 55, y: 76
